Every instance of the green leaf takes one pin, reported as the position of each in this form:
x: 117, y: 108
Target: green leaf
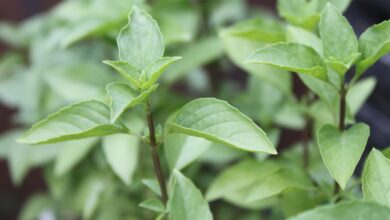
x: 292, y: 57
x: 373, y: 44
x: 239, y: 177
x: 341, y: 151
x: 140, y: 42
x: 217, y: 121
x: 376, y: 178
x: 181, y: 150
x: 359, y: 93
x: 126, y: 70
x: 95, y: 189
x: 346, y: 210
x: 299, y: 12
x: 121, y: 152
x: 81, y: 120
x: 339, y: 41
x: 72, y: 153
x: 123, y: 97
x: 35, y: 206
x: 186, y: 201
x: 266, y: 30
x: 153, y: 204
x: 277, y: 182
x: 154, y: 71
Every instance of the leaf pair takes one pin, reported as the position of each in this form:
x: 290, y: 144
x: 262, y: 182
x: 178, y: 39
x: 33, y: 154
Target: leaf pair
x: 141, y: 50
x: 340, y: 48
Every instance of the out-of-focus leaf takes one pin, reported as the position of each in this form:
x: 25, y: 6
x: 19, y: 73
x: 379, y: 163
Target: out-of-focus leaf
x: 153, y: 204
x: 121, y: 152
x: 373, y: 44
x: 72, y: 152
x: 359, y: 93
x: 346, y: 210
x: 181, y: 150
x: 186, y: 201
x: 376, y: 178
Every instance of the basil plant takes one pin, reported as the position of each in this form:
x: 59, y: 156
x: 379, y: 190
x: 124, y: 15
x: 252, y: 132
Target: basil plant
x: 128, y: 126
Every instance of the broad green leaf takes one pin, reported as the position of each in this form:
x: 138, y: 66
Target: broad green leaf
x: 376, y: 178
x: 152, y: 185
x: 373, y: 44
x: 153, y: 204
x: 359, y: 93
x: 186, y: 202
x: 181, y: 150
x: 217, y: 121
x: 72, y: 153
x: 123, y: 97
x: 276, y: 182
x: 154, y: 71
x: 121, y: 152
x: 339, y: 41
x: 341, y: 151
x: 140, y: 42
x: 239, y: 177
x: 126, y: 70
x: 346, y: 210
x: 292, y: 57
x: 81, y: 120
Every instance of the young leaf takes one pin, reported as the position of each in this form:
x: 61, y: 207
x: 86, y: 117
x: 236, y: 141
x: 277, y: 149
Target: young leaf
x: 376, y: 178
x: 181, y: 150
x: 153, y: 204
x: 186, y: 201
x: 292, y: 57
x: 121, y: 152
x: 123, y: 97
x: 217, y: 121
x: 140, y: 42
x: 373, y: 44
x: 339, y: 41
x: 154, y: 71
x: 341, y: 151
x: 240, y: 176
x: 302, y: 36
x: 126, y: 71
x: 81, y: 120
x: 72, y: 152
x: 346, y: 210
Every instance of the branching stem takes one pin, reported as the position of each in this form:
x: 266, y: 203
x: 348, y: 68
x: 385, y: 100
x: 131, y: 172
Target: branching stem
x: 156, y: 160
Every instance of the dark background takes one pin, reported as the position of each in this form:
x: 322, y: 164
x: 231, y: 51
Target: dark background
x: 376, y: 112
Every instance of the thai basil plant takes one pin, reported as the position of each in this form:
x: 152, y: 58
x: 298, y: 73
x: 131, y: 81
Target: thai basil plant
x: 119, y: 137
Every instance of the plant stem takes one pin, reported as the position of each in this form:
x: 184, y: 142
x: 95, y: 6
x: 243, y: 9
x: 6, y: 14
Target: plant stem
x: 156, y: 160
x: 343, y: 94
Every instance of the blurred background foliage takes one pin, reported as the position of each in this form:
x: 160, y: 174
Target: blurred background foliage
x: 54, y: 58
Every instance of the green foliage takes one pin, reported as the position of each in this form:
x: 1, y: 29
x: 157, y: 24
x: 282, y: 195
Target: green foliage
x: 147, y: 147
x: 341, y: 151
x: 376, y: 178
x: 217, y: 121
